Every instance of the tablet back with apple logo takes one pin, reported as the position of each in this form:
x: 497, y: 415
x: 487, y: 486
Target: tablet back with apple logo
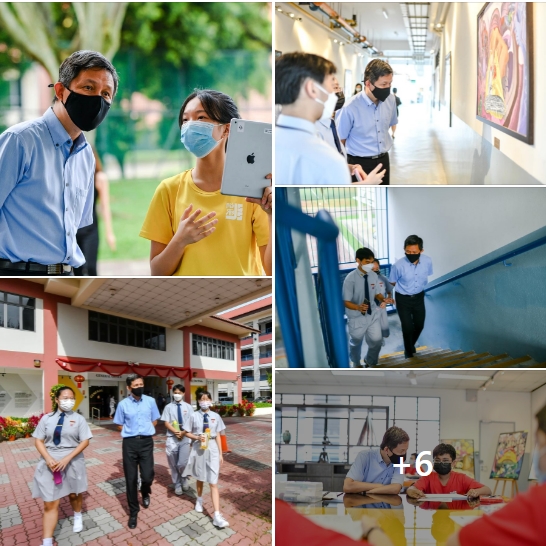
x: 249, y: 158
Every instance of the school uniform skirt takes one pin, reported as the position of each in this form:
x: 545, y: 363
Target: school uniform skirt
x: 74, y: 477
x: 203, y: 464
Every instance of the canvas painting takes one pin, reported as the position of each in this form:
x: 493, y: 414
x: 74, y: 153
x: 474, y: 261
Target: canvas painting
x: 509, y: 455
x: 464, y: 463
x: 505, y: 68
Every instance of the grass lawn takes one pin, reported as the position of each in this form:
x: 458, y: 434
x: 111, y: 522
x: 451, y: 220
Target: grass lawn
x: 129, y: 201
x: 262, y: 405
x: 351, y: 239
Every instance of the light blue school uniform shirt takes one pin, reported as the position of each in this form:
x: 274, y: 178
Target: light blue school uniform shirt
x: 370, y: 467
x: 365, y: 125
x: 303, y: 158
x: 46, y: 192
x: 136, y: 416
x: 411, y: 278
x: 354, y: 290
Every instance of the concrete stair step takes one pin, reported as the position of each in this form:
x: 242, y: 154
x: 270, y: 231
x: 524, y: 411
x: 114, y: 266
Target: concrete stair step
x: 513, y: 363
x: 400, y: 354
x: 445, y: 360
x: 417, y: 362
x: 400, y: 359
x: 486, y: 360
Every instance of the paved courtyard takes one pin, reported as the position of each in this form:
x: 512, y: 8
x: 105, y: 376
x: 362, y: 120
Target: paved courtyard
x: 245, y: 491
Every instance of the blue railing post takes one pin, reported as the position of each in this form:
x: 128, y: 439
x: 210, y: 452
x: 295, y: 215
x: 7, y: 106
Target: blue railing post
x: 285, y: 286
x: 326, y: 232
x: 330, y: 287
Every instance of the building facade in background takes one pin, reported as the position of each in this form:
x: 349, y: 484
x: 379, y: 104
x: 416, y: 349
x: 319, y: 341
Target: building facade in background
x: 55, y: 331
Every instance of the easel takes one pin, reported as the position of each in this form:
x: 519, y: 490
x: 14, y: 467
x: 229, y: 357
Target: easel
x: 504, y: 480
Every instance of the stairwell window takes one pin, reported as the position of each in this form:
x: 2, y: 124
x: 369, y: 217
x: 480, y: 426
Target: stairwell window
x: 17, y: 312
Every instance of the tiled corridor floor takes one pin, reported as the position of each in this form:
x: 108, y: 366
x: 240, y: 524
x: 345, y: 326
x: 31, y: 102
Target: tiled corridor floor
x: 245, y: 491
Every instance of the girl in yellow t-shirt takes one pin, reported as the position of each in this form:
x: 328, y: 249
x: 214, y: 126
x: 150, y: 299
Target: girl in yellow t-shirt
x: 193, y: 228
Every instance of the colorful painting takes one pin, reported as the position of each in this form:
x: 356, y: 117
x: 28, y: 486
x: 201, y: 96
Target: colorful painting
x: 509, y: 455
x: 464, y: 463
x: 505, y: 68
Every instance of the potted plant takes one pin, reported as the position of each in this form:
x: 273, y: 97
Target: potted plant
x: 230, y: 411
x: 241, y: 409
x: 32, y: 423
x: 10, y: 429
x: 250, y: 409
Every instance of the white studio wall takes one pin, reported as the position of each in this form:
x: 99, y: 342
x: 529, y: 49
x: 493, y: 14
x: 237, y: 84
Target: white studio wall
x: 460, y: 38
x: 312, y: 37
x: 462, y: 225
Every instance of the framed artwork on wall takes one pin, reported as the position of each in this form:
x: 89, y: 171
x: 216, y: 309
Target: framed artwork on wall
x: 464, y: 463
x: 505, y: 68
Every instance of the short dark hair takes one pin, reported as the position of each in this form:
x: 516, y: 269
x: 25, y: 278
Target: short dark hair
x: 364, y: 254
x: 200, y: 395
x: 444, y: 449
x: 179, y: 387
x: 415, y: 455
x: 218, y: 106
x: 291, y: 69
x: 394, y: 437
x: 414, y: 240
x: 84, y: 60
x: 376, y: 69
x: 132, y: 377
x: 541, y: 418
x: 377, y: 262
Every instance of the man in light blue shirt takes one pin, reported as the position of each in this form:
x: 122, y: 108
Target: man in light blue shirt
x: 410, y: 275
x: 304, y: 87
x: 47, y: 172
x: 136, y: 417
x: 373, y: 470
x: 364, y: 121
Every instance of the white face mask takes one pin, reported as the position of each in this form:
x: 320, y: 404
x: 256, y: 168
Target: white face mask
x: 205, y: 405
x: 366, y: 267
x: 329, y: 105
x: 178, y: 397
x: 67, y: 405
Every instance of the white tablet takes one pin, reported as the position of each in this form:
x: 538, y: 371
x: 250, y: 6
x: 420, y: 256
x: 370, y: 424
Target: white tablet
x: 249, y: 158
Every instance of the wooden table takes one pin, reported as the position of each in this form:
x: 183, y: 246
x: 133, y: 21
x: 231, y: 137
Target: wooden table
x: 405, y: 521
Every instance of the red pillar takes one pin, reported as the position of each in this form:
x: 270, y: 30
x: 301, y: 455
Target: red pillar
x: 51, y: 369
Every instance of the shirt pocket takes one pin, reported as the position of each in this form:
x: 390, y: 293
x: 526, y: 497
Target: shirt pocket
x: 80, y: 196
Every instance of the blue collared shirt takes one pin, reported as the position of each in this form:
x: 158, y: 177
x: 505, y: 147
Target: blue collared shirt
x: 324, y: 131
x: 411, y: 278
x: 365, y: 126
x: 303, y: 158
x: 137, y: 416
x: 370, y: 467
x: 46, y: 192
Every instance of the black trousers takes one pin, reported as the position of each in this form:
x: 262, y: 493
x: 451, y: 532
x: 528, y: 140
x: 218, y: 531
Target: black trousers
x: 368, y: 165
x: 88, y: 241
x: 138, y: 452
x: 411, y: 310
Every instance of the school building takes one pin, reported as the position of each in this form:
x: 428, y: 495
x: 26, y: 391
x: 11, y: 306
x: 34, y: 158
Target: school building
x: 91, y: 333
x: 256, y: 347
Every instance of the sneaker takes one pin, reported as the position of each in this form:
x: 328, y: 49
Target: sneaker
x: 185, y: 486
x: 219, y: 521
x: 78, y: 525
x: 199, y: 505
x: 178, y: 490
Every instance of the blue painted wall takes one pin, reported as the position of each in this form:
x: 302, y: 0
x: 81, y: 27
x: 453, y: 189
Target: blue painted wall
x: 497, y: 310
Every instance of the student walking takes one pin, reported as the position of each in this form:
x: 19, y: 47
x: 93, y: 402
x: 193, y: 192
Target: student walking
x: 60, y: 438
x: 177, y: 446
x: 204, y: 464
x: 136, y: 417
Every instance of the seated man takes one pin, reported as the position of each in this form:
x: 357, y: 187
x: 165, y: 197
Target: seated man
x: 373, y: 470
x: 443, y: 480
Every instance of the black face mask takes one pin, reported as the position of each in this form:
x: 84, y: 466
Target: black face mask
x: 137, y: 391
x: 413, y: 257
x: 395, y: 459
x: 381, y: 94
x: 340, y: 101
x: 442, y: 468
x: 87, y: 112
